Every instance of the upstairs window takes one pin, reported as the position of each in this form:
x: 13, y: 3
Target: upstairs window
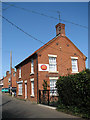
x: 74, y: 64
x: 32, y: 66
x: 20, y: 72
x: 9, y: 79
x: 52, y: 64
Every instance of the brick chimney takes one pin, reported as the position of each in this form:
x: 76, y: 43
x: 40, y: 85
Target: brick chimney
x: 60, y: 29
x: 7, y: 73
x: 13, y: 70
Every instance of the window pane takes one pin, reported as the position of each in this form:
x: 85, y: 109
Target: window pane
x: 52, y: 87
x: 52, y: 64
x: 19, y: 72
x: 32, y: 88
x: 32, y: 66
x: 20, y: 89
x: 74, y: 65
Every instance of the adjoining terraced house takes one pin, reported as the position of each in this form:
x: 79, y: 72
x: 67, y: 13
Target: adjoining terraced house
x: 57, y: 57
x: 9, y: 81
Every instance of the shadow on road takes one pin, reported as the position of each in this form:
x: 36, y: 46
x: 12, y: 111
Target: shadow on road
x: 6, y: 102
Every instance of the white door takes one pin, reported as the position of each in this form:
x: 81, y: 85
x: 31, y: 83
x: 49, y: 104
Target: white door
x: 25, y: 90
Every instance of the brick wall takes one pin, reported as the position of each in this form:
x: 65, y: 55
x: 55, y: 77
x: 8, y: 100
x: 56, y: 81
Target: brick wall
x: 6, y: 82
x: 26, y: 76
x: 64, y: 49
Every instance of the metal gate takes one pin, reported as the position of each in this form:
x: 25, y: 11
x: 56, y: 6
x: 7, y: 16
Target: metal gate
x: 48, y: 97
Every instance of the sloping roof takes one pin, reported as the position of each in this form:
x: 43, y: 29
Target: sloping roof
x: 37, y: 50
x: 47, y: 45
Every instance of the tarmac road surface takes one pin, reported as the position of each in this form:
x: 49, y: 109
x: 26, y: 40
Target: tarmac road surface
x: 15, y: 108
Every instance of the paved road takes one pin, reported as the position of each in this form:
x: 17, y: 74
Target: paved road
x: 15, y: 108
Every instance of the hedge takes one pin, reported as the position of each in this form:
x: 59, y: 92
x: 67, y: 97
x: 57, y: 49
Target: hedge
x: 74, y: 90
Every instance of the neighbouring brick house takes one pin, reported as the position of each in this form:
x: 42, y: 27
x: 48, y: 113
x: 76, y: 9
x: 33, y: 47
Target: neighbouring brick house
x: 57, y: 57
x: 1, y: 84
x: 9, y: 81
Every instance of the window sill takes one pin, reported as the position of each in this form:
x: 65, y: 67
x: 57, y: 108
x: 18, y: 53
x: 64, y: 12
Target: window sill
x: 75, y: 72
x: 32, y: 95
x: 53, y: 72
x: 31, y: 73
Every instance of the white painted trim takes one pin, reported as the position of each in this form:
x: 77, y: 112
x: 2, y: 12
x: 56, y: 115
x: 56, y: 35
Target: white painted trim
x: 1, y: 83
x: 25, y: 81
x: 55, y: 78
x: 20, y: 81
x: 52, y: 55
x: 74, y: 57
x: 32, y: 79
x: 53, y: 71
x: 75, y: 72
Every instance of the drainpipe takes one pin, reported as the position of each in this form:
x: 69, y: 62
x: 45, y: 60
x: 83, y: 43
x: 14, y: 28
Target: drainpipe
x: 37, y: 75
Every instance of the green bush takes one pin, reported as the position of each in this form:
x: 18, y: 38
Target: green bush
x: 74, y: 90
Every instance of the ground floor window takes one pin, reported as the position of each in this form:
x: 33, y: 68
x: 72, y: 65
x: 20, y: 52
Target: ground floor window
x: 20, y: 89
x: 32, y: 87
x: 53, y: 89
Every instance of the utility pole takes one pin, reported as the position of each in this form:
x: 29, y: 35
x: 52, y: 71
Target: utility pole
x: 11, y: 72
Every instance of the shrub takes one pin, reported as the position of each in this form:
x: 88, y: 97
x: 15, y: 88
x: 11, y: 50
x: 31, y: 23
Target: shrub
x: 74, y: 90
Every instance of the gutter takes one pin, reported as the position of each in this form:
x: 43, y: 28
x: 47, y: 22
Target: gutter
x: 37, y: 76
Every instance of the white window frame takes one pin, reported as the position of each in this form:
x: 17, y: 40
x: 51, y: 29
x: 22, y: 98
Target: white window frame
x: 32, y: 66
x: 20, y: 88
x: 19, y: 72
x: 52, y: 64
x: 9, y: 79
x: 32, y: 87
x: 76, y: 64
x: 55, y: 80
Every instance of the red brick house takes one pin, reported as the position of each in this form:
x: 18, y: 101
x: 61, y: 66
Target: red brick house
x: 9, y: 81
x: 57, y: 57
x: 1, y: 84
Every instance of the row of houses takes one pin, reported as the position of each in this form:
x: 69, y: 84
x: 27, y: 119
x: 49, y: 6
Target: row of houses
x: 9, y: 81
x: 58, y: 57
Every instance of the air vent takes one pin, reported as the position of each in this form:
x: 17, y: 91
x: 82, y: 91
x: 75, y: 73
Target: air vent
x: 57, y: 43
x: 67, y: 45
x: 75, y: 54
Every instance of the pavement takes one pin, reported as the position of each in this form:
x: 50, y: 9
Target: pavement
x: 15, y: 108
